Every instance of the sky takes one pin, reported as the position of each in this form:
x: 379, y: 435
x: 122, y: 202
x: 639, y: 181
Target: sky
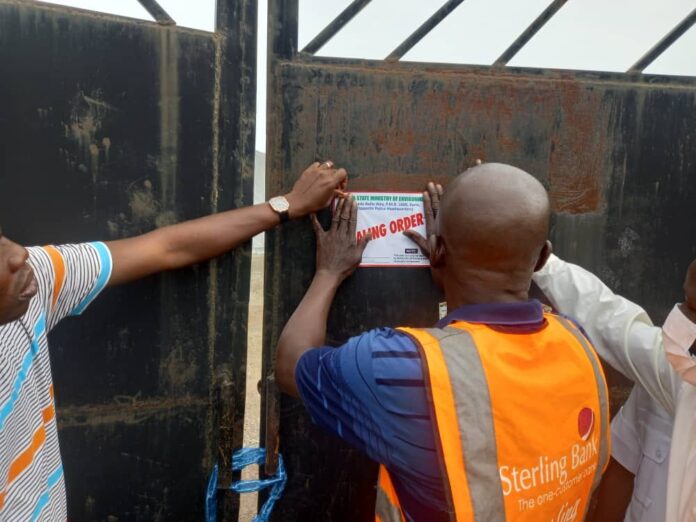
x: 605, y: 35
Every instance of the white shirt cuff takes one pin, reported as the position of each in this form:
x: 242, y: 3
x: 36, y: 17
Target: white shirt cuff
x: 680, y: 328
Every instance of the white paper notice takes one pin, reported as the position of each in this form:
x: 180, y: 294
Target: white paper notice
x: 386, y: 215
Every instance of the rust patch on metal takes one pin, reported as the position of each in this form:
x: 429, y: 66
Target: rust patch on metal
x: 435, y: 127
x: 412, y: 182
x: 394, y: 141
x: 579, y: 150
x: 576, y: 194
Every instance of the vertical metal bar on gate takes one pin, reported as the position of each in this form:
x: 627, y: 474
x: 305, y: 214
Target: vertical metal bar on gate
x: 282, y: 45
x: 233, y: 148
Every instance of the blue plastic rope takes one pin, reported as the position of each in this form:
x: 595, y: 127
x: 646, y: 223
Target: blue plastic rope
x: 211, y: 496
x: 241, y: 459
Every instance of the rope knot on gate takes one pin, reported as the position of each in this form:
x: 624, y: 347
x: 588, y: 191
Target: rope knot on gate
x: 241, y: 459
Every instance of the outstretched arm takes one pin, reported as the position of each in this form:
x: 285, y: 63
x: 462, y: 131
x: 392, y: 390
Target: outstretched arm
x: 180, y: 245
x: 338, y: 255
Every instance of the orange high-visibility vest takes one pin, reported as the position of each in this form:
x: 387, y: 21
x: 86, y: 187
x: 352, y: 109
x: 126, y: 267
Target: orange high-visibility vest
x: 521, y: 422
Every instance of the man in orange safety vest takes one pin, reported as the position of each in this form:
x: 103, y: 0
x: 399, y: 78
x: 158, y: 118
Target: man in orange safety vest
x: 499, y: 411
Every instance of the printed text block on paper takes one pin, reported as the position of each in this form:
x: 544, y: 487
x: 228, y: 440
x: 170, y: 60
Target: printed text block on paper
x: 386, y: 215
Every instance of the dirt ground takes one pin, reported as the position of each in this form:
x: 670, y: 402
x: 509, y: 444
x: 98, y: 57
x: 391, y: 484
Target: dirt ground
x: 247, y: 508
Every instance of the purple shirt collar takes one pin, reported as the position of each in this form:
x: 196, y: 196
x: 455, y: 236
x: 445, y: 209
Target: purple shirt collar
x: 525, y: 314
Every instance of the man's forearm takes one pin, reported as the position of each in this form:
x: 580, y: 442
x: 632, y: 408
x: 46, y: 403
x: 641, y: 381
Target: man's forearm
x: 210, y: 236
x: 306, y: 329
x: 201, y: 239
x: 186, y: 243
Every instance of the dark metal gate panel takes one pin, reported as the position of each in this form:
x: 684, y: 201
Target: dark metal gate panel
x: 110, y: 127
x: 617, y: 153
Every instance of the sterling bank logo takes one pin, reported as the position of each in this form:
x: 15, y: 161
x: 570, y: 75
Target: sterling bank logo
x: 586, y: 423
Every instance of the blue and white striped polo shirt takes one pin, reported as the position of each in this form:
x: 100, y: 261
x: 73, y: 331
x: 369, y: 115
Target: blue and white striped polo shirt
x: 69, y: 277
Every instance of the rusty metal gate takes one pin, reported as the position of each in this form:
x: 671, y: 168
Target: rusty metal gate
x: 616, y: 151
x: 110, y: 127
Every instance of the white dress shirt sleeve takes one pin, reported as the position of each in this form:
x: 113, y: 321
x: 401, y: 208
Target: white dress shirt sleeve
x: 680, y: 333
x: 620, y: 330
x: 681, y: 486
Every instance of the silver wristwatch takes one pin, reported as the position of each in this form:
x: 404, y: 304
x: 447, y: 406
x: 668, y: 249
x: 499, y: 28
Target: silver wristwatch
x: 280, y: 206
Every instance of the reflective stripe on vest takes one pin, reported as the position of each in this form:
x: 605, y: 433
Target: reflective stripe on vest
x: 515, y: 418
x: 387, y: 508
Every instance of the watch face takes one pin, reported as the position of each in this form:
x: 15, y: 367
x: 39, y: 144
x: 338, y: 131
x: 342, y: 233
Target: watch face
x: 279, y: 204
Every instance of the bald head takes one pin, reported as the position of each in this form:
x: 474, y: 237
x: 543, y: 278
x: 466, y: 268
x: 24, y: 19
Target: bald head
x: 494, y: 218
